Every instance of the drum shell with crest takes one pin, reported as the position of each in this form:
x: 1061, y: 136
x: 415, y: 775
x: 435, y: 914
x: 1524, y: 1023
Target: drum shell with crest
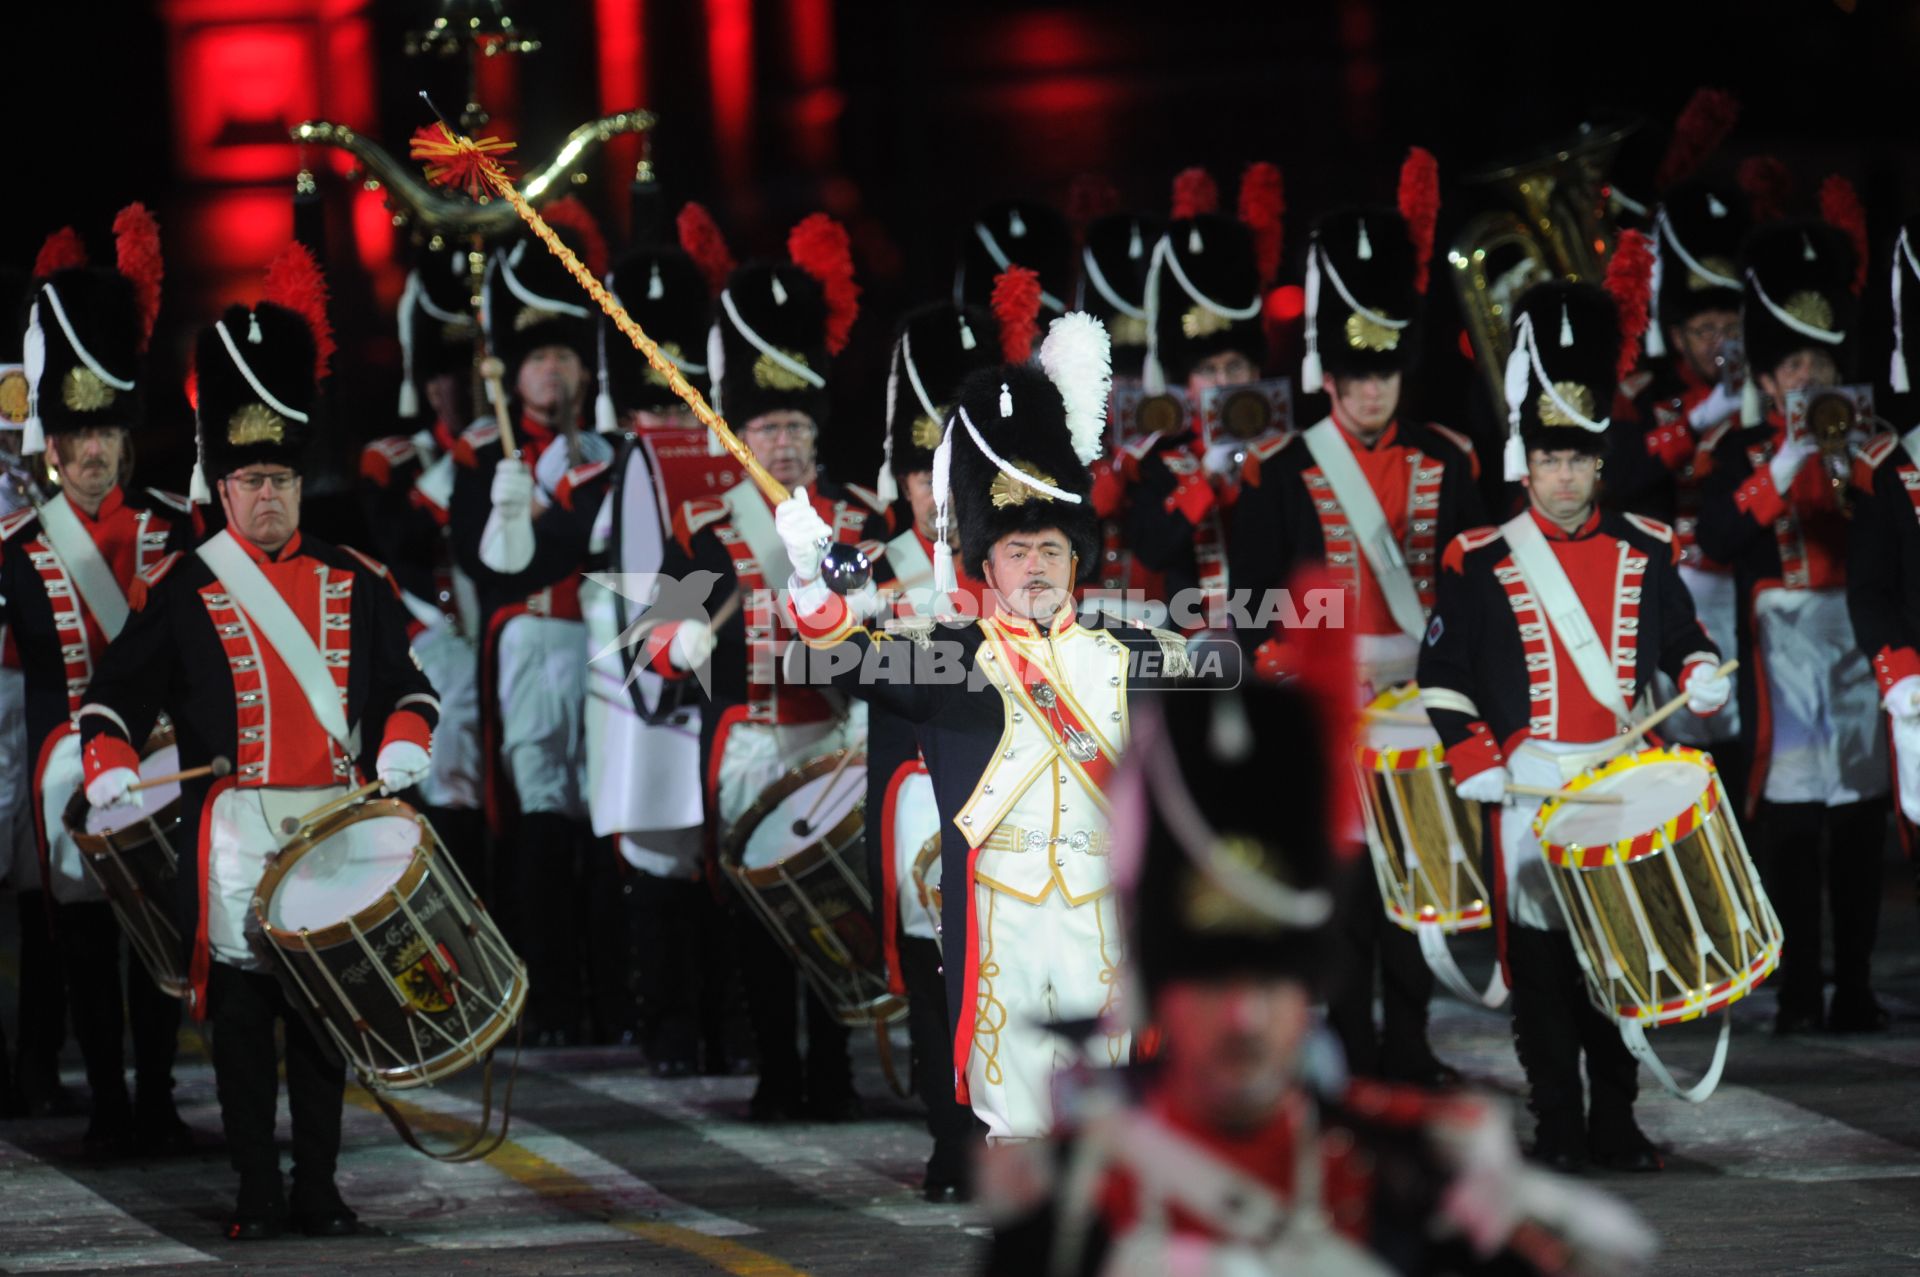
x: 1424, y: 838
x: 1668, y: 916
x: 382, y: 940
x: 130, y: 854
x: 798, y: 856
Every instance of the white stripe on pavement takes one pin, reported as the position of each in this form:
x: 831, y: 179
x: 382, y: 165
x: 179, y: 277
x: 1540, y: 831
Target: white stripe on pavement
x: 55, y: 1224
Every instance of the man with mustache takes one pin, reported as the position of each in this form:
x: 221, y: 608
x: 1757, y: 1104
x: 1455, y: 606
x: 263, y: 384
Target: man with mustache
x: 66, y: 574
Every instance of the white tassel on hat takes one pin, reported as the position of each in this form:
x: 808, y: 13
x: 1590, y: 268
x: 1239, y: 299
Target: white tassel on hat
x: 1656, y: 335
x: 1897, y: 375
x: 33, y: 360
x: 1363, y: 247
x: 944, y: 580
x: 605, y: 420
x: 1312, y: 379
x: 884, y: 485
x: 1153, y: 375
x: 1519, y: 382
x: 1752, y: 412
x: 197, y: 490
x: 1077, y: 356
x: 409, y: 393
x: 716, y: 373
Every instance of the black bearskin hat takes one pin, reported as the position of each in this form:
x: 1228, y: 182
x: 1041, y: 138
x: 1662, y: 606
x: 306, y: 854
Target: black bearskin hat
x: 1203, y: 296
x: 1212, y: 884
x: 239, y: 426
x: 1016, y: 233
x: 1573, y: 332
x: 530, y: 301
x: 1799, y: 293
x: 666, y: 293
x: 1698, y: 231
x: 937, y: 346
x: 1012, y: 423
x: 1113, y: 283
x: 436, y: 323
x: 771, y: 353
x: 1367, y: 255
x: 85, y: 325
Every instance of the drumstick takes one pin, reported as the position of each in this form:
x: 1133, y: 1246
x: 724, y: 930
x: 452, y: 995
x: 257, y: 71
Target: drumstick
x: 805, y: 823
x: 217, y: 768
x: 1566, y: 795
x: 1666, y: 711
x: 492, y: 369
x: 292, y: 824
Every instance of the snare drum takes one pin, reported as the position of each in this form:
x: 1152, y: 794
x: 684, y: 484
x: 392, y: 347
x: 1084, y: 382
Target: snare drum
x: 1424, y: 838
x: 373, y: 923
x: 1668, y: 917
x: 799, y: 857
x: 128, y: 852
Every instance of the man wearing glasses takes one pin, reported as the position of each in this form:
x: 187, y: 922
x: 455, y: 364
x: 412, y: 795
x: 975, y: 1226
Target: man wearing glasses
x: 282, y: 654
x: 776, y: 331
x: 1520, y: 693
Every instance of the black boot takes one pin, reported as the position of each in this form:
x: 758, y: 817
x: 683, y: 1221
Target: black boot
x: 260, y: 1211
x: 318, y: 1210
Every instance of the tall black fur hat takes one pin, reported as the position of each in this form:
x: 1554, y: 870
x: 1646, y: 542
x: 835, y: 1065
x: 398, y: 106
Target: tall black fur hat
x: 1698, y: 232
x: 937, y: 345
x: 1113, y: 282
x: 1363, y: 256
x: 1203, y: 293
x: 1799, y: 293
x: 666, y: 293
x: 1571, y: 332
x: 436, y: 323
x: 1016, y: 233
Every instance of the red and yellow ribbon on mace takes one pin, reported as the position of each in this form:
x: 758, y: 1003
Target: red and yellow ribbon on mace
x: 479, y: 168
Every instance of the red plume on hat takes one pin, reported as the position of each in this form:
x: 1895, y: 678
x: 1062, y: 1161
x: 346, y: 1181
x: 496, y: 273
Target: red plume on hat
x: 1840, y: 206
x: 63, y: 250
x: 1091, y: 196
x: 295, y: 281
x: 568, y: 213
x: 1703, y: 124
x: 1195, y: 192
x: 1263, y: 208
x: 700, y: 237
x: 137, y: 257
x: 1419, y: 200
x: 1769, y: 186
x: 1630, y: 283
x: 1016, y: 304
x: 819, y: 246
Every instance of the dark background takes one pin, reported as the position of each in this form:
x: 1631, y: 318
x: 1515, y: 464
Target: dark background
x: 901, y: 118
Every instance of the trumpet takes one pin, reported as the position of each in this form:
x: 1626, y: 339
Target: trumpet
x: 1832, y: 418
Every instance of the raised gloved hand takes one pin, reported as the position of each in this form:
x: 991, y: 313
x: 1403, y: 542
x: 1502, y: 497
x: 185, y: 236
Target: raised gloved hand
x: 691, y: 646
x: 1707, y: 690
x: 506, y: 543
x: 1786, y: 463
x: 1489, y: 786
x: 803, y: 532
x: 401, y: 764
x: 1714, y: 409
x: 114, y: 787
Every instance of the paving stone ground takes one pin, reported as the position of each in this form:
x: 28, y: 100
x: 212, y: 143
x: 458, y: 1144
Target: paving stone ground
x: 1807, y: 1160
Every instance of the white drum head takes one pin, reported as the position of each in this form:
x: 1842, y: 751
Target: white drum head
x: 343, y: 874
x: 774, y: 839
x: 1652, y: 794
x: 1384, y: 736
x: 161, y: 762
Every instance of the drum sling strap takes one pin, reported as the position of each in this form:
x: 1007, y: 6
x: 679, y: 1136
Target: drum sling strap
x: 81, y: 557
x: 1371, y: 531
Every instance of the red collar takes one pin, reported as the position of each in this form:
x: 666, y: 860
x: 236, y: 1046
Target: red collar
x: 1689, y: 379
x: 1387, y: 436
x: 288, y: 551
x: 1062, y: 621
x: 110, y: 505
x: 1554, y: 532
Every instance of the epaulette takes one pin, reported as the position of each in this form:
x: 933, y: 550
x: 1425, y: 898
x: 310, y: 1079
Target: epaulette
x: 868, y: 497
x: 1135, y: 449
x: 19, y: 519
x: 915, y: 629
x: 1265, y: 449
x: 466, y: 449
x: 379, y: 459
x: 576, y: 478
x: 874, y: 550
x: 1878, y: 449
x: 1455, y: 438
x: 694, y: 515
x: 147, y: 578
x: 370, y: 563
x: 1466, y: 543
x: 1711, y: 440
x: 172, y: 500
x: 1652, y: 527
x: 1174, y: 657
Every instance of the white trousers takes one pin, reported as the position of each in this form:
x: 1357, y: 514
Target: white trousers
x: 543, y: 689
x: 451, y: 664
x: 67, y: 877
x: 17, y: 853
x: 245, y: 827
x: 1038, y: 964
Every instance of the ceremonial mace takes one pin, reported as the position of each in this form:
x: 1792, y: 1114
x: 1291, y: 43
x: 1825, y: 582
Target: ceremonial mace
x: 456, y: 160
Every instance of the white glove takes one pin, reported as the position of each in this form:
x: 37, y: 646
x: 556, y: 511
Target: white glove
x: 1714, y: 409
x: 1707, y: 691
x: 691, y: 646
x: 1906, y: 764
x: 1219, y: 458
x: 803, y: 532
x: 1903, y: 699
x: 400, y: 765
x: 1786, y: 463
x: 1489, y: 786
x: 114, y: 787
x: 506, y: 543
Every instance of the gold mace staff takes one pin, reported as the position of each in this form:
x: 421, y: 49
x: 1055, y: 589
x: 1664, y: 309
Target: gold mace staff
x: 458, y: 160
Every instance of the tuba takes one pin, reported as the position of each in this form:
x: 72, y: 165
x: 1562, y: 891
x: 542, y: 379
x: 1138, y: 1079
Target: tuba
x: 1555, y: 225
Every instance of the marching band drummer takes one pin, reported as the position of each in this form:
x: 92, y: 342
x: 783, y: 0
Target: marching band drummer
x: 66, y: 571
x: 1020, y: 713
x: 1373, y: 498
x: 1546, y: 629
x: 276, y: 651
x: 778, y: 327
